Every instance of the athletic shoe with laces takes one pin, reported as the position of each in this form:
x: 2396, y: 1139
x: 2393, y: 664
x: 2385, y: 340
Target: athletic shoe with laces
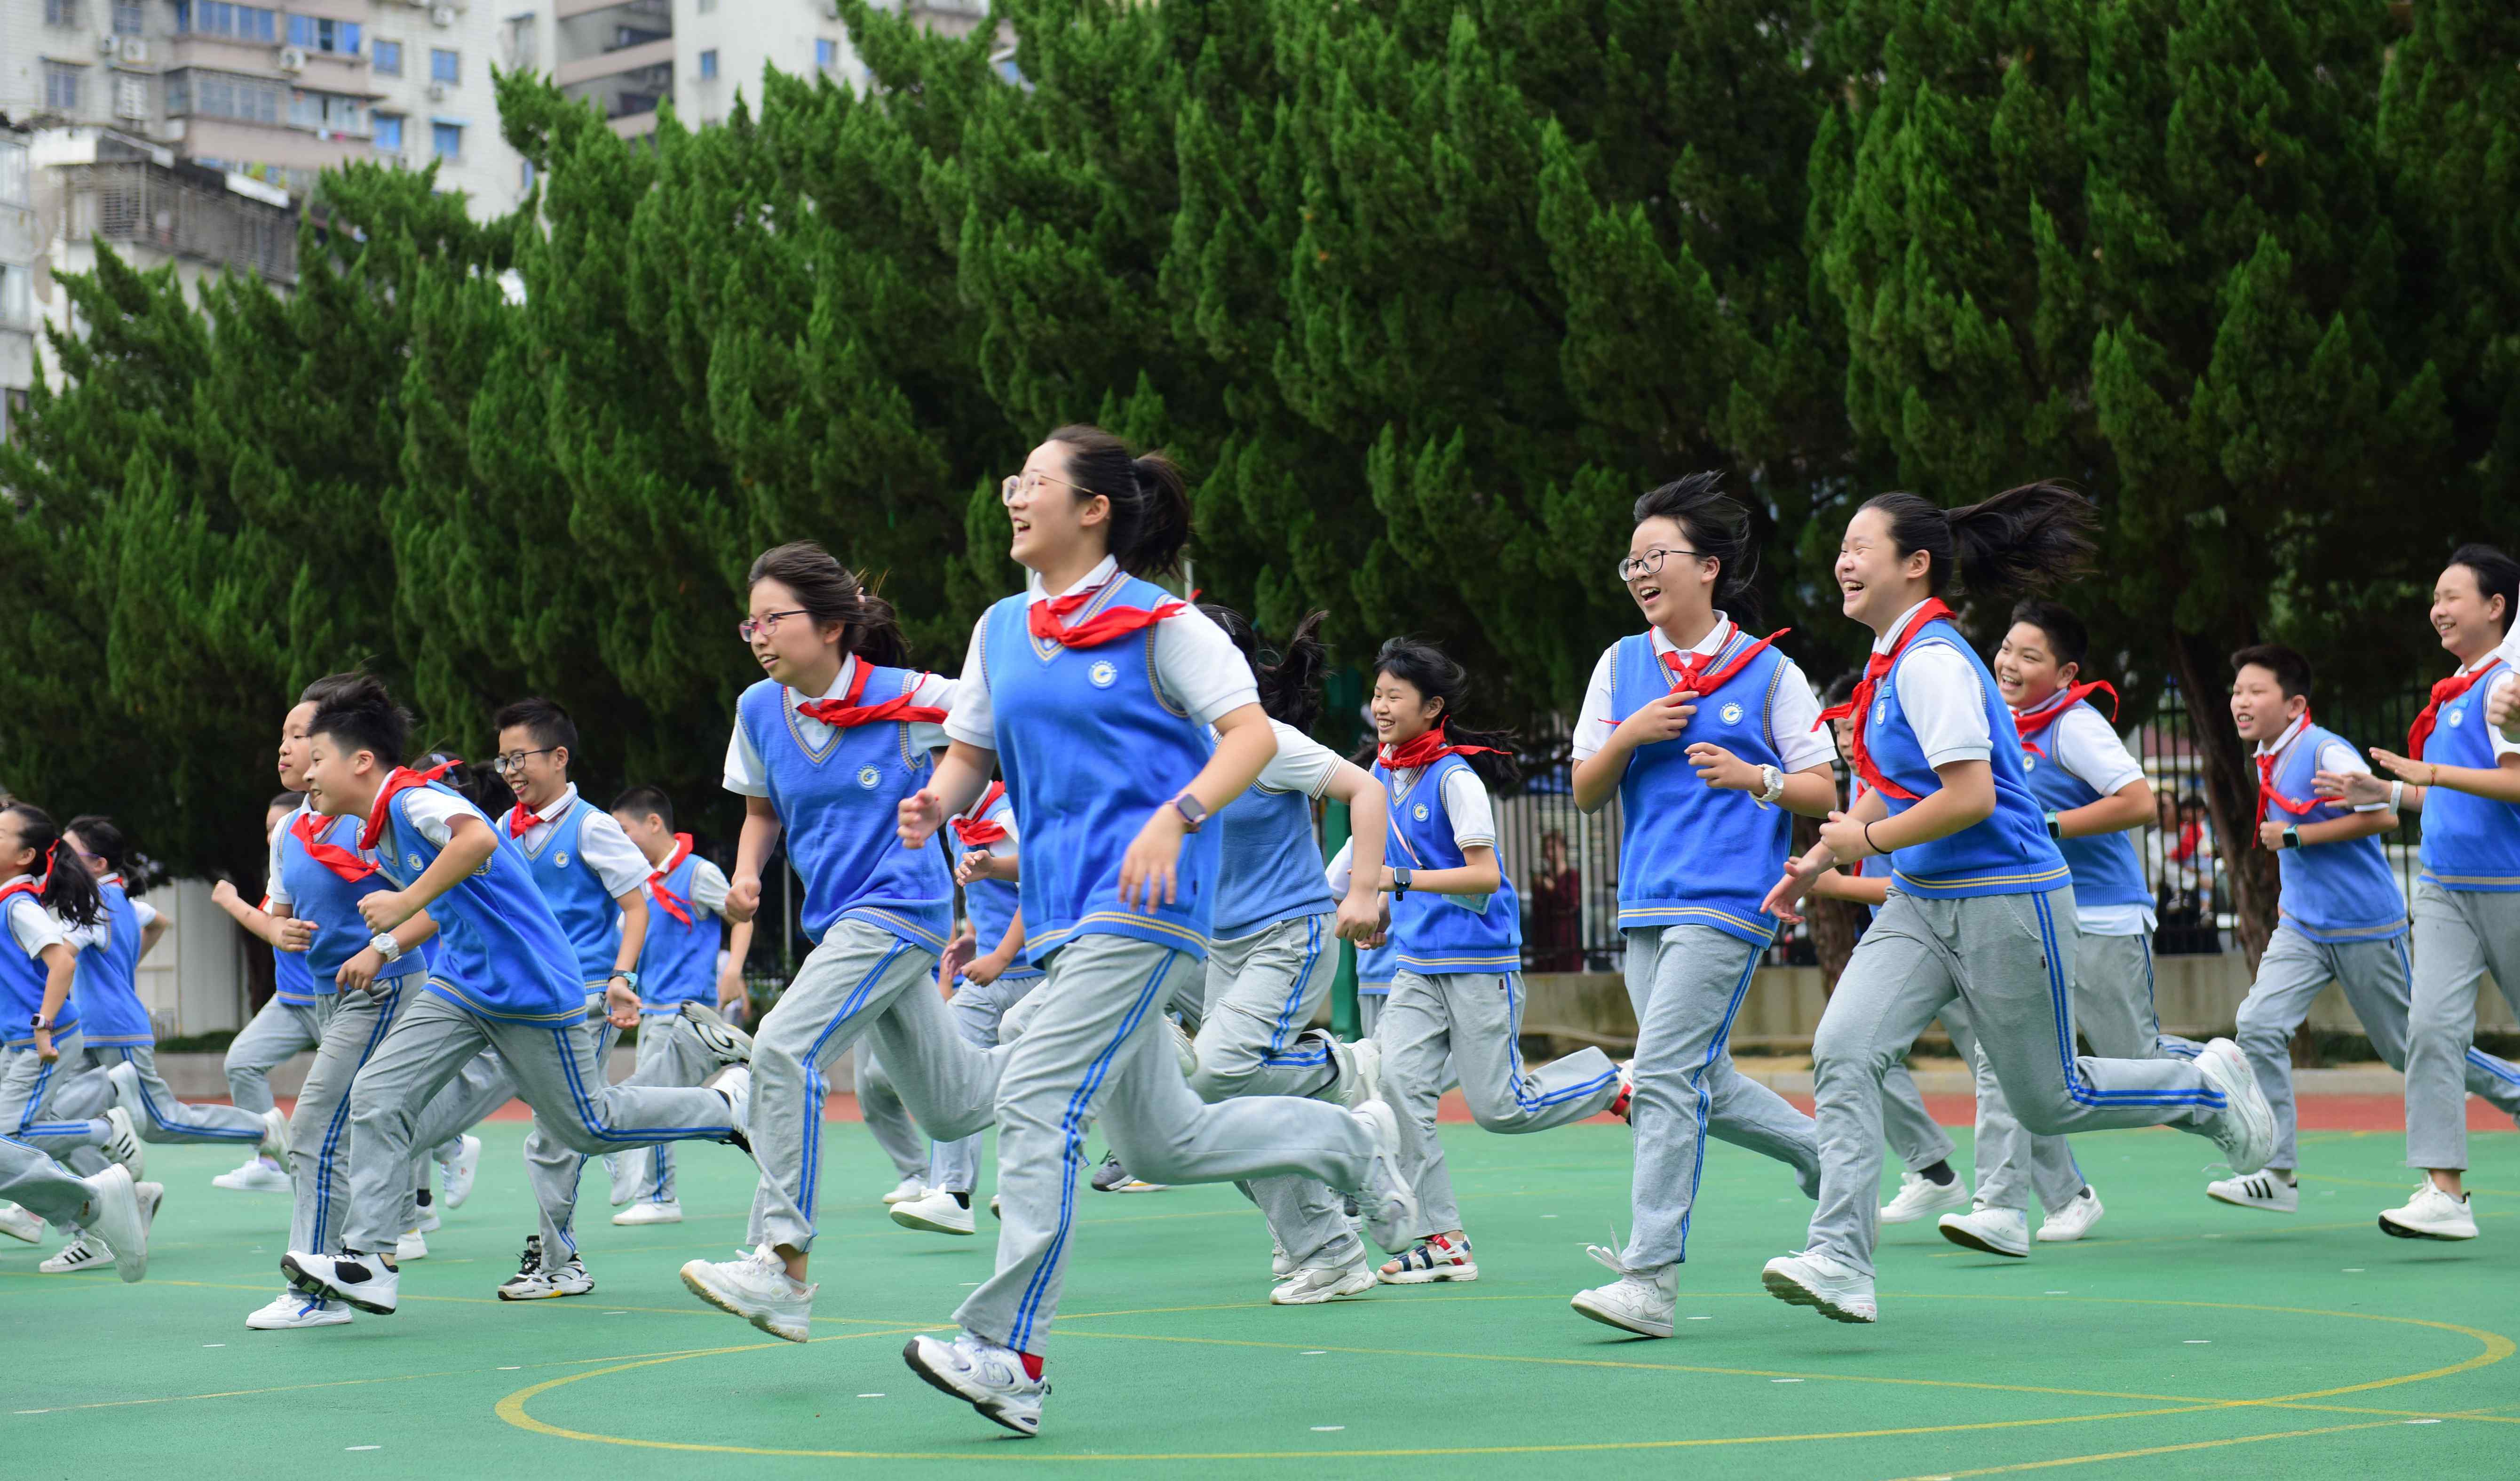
x: 413, y: 1245
x: 127, y: 1099
x: 1836, y: 1290
x: 2431, y: 1214
x: 458, y: 1170
x: 1627, y: 1089
x: 532, y: 1282
x: 21, y: 1224
x: 651, y: 1211
x: 988, y: 1378
x: 2261, y: 1189
x: 2072, y: 1221
x: 628, y: 1172
x: 1111, y: 1178
x: 257, y: 1175
x: 1989, y: 1230
x: 939, y: 1213
x: 428, y: 1220
x: 1921, y: 1197
x: 1386, y: 1205
x: 275, y: 1137
x: 1313, y: 1284
x: 1438, y: 1258
x: 1360, y: 1072
x: 122, y: 1143
x: 735, y: 1083
x: 1280, y: 1264
x: 908, y: 1188
x: 120, y: 1211
x: 290, y: 1310
x: 2246, y: 1128
x: 726, y: 1042
x: 1639, y: 1303
x: 757, y: 1289
x: 84, y: 1251
x: 352, y: 1275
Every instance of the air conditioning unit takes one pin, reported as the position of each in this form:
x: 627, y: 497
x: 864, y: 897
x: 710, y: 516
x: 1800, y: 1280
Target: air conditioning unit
x: 135, y: 51
x: 292, y: 58
x: 109, y: 45
x: 437, y: 92
x: 442, y: 15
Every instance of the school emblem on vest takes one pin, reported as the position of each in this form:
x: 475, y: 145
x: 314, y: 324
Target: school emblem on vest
x: 1731, y: 714
x: 2029, y: 760
x: 1418, y: 811
x: 2457, y: 718
x: 868, y: 777
x: 1880, y: 711
x: 412, y: 860
x: 1101, y: 674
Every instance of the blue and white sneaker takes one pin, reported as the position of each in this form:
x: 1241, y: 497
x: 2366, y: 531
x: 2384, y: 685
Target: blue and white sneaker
x: 292, y: 1310
x: 1438, y: 1258
x: 988, y: 1378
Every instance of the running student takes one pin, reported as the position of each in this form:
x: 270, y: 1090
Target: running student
x: 685, y: 996
x: 824, y: 751
x: 2091, y: 793
x: 46, y: 893
x: 284, y: 1027
x: 507, y: 978
x: 1980, y: 905
x: 1455, y: 1004
x: 1094, y: 692
x: 2463, y: 769
x: 1711, y: 741
x: 106, y: 1203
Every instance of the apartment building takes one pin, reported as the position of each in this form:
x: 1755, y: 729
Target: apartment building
x: 21, y: 246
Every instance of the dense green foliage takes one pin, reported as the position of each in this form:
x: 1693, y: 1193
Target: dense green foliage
x: 1423, y: 294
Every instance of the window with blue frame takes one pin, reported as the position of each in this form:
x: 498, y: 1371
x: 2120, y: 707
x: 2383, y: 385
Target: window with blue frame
x: 709, y: 65
x: 446, y: 140
x: 445, y: 66
x: 827, y: 55
x: 339, y: 38
x: 216, y: 18
x: 384, y: 58
x: 390, y: 133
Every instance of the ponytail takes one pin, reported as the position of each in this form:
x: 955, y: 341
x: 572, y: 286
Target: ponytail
x: 64, y: 887
x: 831, y: 593
x: 1423, y: 666
x: 2022, y: 541
x: 1150, y: 498
x: 1290, y: 688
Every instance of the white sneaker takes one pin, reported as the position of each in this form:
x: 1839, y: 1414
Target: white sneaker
x: 1360, y: 1067
x: 84, y: 1251
x: 428, y: 1220
x: 123, y: 1146
x: 352, y: 1275
x: 1280, y: 1264
x: 988, y: 1378
x: 996, y: 1210
x: 258, y: 1174
x: 725, y: 1041
x: 1921, y: 1197
x: 413, y: 1245
x: 1993, y: 1231
x: 275, y: 1137
x: 757, y: 1289
x: 20, y: 1223
x: 735, y: 1083
x: 1313, y: 1284
x: 1839, y: 1291
x: 127, y: 1099
x: 2072, y: 1221
x: 118, y: 1215
x: 628, y: 1171
x: 650, y: 1211
x: 2430, y: 1215
x: 1387, y: 1203
x: 532, y: 1282
x: 2261, y: 1189
x: 939, y: 1213
x: 1633, y: 1303
x: 2246, y: 1128
x: 458, y: 1174
x: 292, y: 1310
x: 1437, y: 1258
x: 907, y: 1189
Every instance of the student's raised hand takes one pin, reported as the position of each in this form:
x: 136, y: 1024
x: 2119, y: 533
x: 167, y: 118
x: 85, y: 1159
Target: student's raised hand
x: 742, y: 898
x: 1719, y: 768
x: 291, y: 934
x: 2399, y: 767
x: 224, y: 896
x: 978, y: 863
x: 386, y: 909
x: 1785, y: 898
x: 1843, y: 836
x: 2350, y: 786
x: 1149, y: 870
x: 2503, y: 707
x: 1360, y: 916
x: 1658, y: 720
x: 621, y: 1005
x: 919, y: 815
x: 732, y: 1001
x: 2270, y: 833
x: 359, y: 973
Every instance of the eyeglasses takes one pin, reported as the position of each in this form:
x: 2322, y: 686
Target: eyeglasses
x: 767, y: 625
x: 1028, y: 482
x: 1651, y: 562
x: 514, y: 760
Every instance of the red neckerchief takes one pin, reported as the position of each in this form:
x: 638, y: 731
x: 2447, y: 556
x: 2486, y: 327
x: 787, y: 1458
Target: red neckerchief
x: 1859, y: 706
x: 2444, y: 691
x: 523, y: 819
x: 402, y: 780
x: 973, y: 828
x: 2030, y: 722
x: 1426, y: 749
x: 2266, y: 791
x: 343, y: 864
x: 1692, y: 670
x: 672, y: 903
x: 1049, y: 619
x: 845, y: 711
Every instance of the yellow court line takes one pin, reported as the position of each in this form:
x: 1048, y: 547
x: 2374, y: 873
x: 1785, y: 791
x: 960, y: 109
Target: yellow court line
x: 2168, y: 1449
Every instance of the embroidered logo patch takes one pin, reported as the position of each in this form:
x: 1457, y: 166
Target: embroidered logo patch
x: 1418, y: 811
x: 1880, y: 711
x: 1731, y: 714
x: 2458, y: 717
x: 1101, y: 674
x: 412, y: 860
x: 868, y: 777
x: 559, y: 860
x: 2029, y: 762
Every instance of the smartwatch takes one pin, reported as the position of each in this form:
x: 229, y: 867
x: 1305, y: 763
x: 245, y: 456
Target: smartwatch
x: 1400, y: 882
x: 2055, y: 828
x: 2292, y: 835
x: 629, y: 979
x: 36, y: 1022
x: 1192, y: 810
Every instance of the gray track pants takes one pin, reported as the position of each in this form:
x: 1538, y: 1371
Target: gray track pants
x: 41, y: 1185
x: 554, y: 1167
x: 1097, y: 1050
x: 669, y: 1054
x: 977, y: 1009
x: 1261, y: 990
x: 2459, y: 937
x: 350, y: 1027
x: 554, y: 1069
x: 2113, y: 1010
x: 1369, y: 1010
x: 278, y: 1032
x: 1686, y: 983
x: 166, y: 1119
x: 861, y: 985
x: 887, y: 1120
x: 1475, y: 1018
x: 2010, y: 957
x: 30, y: 1089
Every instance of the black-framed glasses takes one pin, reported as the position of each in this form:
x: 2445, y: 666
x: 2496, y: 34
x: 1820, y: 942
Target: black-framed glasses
x: 1026, y: 483
x: 514, y: 760
x: 767, y: 624
x: 1650, y: 562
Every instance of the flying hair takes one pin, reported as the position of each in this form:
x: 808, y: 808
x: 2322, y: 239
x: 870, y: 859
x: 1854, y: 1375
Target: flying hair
x: 2022, y: 541
x: 1290, y: 677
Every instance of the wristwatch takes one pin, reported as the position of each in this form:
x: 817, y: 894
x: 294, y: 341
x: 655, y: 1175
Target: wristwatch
x: 2292, y: 835
x: 1400, y: 882
x: 1771, y: 784
x: 2055, y: 826
x: 1192, y: 810
x: 37, y: 1021
x: 384, y: 946
x: 628, y: 978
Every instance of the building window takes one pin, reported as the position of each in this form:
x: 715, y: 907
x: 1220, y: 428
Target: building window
x: 445, y: 66
x: 386, y: 58
x: 65, y: 12
x: 709, y: 65
x: 13, y: 174
x: 524, y: 175
x: 389, y: 133
x: 328, y: 112
x: 339, y: 38
x: 225, y: 95
x: 827, y: 55
x: 216, y: 18
x: 447, y: 140
x: 17, y: 297
x: 130, y: 17
x: 60, y: 87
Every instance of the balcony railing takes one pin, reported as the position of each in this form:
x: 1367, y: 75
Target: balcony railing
x: 150, y: 205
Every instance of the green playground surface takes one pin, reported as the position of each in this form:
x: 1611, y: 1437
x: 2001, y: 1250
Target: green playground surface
x: 2184, y: 1338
